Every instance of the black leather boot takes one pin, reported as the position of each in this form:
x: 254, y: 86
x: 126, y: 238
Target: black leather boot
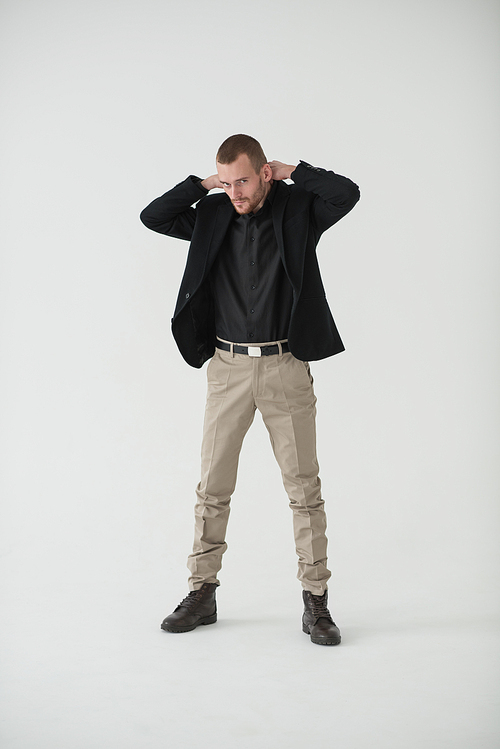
x: 199, y: 607
x: 316, y: 620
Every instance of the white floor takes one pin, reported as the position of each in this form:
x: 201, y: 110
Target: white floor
x: 86, y: 666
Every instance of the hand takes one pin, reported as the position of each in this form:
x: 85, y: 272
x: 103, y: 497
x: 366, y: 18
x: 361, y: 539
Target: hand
x: 280, y: 170
x: 211, y: 182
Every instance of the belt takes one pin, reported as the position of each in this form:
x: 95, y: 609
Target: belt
x: 253, y: 350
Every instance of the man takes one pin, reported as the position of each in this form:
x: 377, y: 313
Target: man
x: 252, y: 301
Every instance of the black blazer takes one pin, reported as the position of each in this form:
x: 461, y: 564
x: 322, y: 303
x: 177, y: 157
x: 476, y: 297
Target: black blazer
x: 301, y: 213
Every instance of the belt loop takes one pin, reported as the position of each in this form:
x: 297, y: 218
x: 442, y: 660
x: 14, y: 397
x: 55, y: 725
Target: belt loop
x: 280, y: 349
x: 231, y: 349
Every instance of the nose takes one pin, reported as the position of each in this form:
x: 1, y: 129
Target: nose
x: 235, y: 192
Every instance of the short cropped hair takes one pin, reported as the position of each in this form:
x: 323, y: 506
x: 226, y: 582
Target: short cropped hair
x: 236, y: 145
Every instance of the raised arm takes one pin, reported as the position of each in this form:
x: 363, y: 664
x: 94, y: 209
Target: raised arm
x: 335, y: 195
x: 172, y: 213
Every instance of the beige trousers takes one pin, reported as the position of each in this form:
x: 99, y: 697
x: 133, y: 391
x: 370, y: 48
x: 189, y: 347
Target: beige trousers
x: 281, y: 387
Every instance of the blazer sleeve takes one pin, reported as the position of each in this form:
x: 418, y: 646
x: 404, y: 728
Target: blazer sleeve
x: 172, y: 213
x: 334, y: 195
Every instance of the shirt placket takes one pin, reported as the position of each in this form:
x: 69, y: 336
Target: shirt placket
x: 253, y: 280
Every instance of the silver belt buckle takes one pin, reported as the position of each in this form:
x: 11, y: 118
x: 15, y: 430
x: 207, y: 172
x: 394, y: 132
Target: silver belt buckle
x: 254, y: 351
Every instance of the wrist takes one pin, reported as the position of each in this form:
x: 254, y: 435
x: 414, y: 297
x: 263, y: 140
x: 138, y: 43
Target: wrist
x: 209, y: 183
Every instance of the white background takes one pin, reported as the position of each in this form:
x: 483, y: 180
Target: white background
x: 107, y: 105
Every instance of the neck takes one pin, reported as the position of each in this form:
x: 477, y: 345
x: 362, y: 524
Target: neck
x: 268, y: 190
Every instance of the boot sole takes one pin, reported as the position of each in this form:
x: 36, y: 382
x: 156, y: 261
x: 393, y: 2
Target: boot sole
x: 321, y: 640
x: 172, y: 628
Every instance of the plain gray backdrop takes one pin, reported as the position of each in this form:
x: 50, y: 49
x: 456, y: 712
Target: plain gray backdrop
x: 106, y: 105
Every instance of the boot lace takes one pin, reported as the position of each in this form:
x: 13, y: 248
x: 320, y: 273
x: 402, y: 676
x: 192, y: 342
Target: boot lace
x: 318, y: 606
x: 191, y: 600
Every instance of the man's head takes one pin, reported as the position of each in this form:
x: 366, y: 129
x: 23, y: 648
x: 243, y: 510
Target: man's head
x: 244, y: 172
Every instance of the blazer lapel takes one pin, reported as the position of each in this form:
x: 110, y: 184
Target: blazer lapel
x: 279, y: 203
x: 222, y: 220
x: 202, y: 254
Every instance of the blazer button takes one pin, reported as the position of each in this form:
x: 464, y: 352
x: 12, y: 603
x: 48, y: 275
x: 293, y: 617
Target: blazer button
x: 187, y: 295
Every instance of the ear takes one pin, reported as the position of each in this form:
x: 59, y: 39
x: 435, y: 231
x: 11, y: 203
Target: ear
x: 267, y: 173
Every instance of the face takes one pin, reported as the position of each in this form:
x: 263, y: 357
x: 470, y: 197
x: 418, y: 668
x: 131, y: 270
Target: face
x: 246, y: 189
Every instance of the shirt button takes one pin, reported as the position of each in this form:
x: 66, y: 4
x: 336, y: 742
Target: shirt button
x: 252, y: 311
x: 250, y: 335
x: 252, y: 262
x: 187, y: 295
x: 252, y: 239
x: 253, y: 287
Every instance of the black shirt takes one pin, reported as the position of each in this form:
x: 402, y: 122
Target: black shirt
x: 253, y: 296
